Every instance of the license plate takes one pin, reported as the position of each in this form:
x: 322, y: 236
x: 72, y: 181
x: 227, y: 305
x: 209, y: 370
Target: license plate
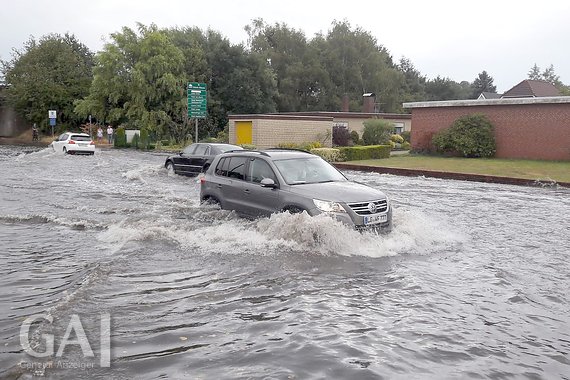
x: 375, y: 219
x: 82, y: 144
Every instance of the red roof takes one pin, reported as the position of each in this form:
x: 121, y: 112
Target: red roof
x: 532, y: 89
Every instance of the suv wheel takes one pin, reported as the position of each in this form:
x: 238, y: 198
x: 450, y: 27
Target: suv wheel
x: 211, y: 201
x: 170, y: 167
x: 293, y: 210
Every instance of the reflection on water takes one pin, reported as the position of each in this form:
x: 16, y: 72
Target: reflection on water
x: 471, y: 282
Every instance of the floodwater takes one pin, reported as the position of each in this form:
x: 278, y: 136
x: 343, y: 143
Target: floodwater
x: 473, y: 282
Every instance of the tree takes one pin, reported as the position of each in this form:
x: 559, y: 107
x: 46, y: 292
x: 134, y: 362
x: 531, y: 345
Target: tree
x: 300, y: 76
x: 357, y: 64
x: 49, y: 74
x: 239, y: 82
x: 139, y: 81
x: 446, y: 89
x: 534, y: 73
x: 414, y: 81
x: 549, y: 75
x: 483, y: 83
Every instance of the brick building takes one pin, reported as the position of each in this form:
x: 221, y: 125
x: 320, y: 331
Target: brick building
x: 269, y: 130
x: 532, y: 128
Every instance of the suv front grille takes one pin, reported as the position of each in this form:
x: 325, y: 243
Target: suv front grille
x: 362, y: 208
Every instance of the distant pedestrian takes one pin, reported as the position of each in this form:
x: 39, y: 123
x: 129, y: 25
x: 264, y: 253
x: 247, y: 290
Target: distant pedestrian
x: 99, y: 135
x: 35, y: 133
x: 110, y: 134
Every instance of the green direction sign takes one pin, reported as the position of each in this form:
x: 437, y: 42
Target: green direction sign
x: 197, y: 100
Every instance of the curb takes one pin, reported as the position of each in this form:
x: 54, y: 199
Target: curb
x: 450, y: 175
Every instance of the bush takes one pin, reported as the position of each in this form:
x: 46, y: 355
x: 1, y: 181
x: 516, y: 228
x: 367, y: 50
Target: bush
x: 303, y: 146
x: 341, y: 136
x: 223, y: 136
x: 470, y: 135
x: 135, y: 142
x: 248, y: 147
x: 288, y: 145
x: 377, y: 131
x: 397, y: 139
x: 165, y: 142
x: 311, y: 145
x: 407, y: 136
x: 144, y: 139
x: 406, y: 145
x: 354, y: 137
x: 328, y: 154
x: 120, y: 138
x: 365, y: 152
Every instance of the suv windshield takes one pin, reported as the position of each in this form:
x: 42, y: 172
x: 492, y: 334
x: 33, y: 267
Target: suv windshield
x: 307, y: 170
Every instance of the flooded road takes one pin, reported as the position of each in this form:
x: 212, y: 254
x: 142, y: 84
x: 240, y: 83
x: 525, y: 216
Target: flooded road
x: 471, y: 283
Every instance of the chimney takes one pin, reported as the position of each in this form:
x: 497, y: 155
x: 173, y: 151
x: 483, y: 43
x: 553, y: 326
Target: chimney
x: 344, y: 107
x: 369, y: 99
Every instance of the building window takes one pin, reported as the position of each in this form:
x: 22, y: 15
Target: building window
x: 398, y: 128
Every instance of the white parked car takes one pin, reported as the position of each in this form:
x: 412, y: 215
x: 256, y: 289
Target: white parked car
x: 72, y: 143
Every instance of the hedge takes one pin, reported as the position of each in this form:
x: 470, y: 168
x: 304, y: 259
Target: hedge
x: 368, y: 152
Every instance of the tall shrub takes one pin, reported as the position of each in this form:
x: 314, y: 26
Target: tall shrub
x: 144, y: 139
x: 354, y: 137
x: 120, y: 138
x: 340, y: 136
x: 135, y: 143
x: 470, y: 135
x: 377, y: 132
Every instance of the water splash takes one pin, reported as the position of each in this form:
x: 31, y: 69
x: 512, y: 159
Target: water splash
x: 222, y: 232
x: 142, y: 171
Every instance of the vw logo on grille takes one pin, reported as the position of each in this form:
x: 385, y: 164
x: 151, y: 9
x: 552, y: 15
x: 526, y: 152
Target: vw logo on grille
x: 372, y: 207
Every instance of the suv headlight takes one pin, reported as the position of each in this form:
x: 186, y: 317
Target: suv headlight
x: 327, y: 206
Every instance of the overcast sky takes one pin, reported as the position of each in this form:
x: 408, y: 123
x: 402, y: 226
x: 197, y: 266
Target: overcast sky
x: 455, y: 39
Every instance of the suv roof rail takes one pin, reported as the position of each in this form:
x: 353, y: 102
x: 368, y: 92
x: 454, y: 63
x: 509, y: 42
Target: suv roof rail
x: 291, y: 149
x: 246, y: 150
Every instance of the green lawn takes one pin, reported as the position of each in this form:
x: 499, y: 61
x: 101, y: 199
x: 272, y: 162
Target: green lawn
x: 529, y: 169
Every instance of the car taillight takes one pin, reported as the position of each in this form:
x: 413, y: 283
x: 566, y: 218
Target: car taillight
x: 202, y: 180
x: 71, y: 142
x: 92, y: 142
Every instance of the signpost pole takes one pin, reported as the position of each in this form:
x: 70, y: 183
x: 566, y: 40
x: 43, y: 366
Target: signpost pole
x: 52, y: 114
x: 186, y: 122
x: 196, y: 130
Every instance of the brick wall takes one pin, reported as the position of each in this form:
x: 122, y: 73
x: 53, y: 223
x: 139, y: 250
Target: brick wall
x: 270, y: 133
x: 533, y: 131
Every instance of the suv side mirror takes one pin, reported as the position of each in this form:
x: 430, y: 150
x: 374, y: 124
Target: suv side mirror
x: 268, y: 182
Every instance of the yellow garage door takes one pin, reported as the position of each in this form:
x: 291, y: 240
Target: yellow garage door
x: 243, y: 132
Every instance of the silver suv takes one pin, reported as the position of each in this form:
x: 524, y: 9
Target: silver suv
x: 259, y: 183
